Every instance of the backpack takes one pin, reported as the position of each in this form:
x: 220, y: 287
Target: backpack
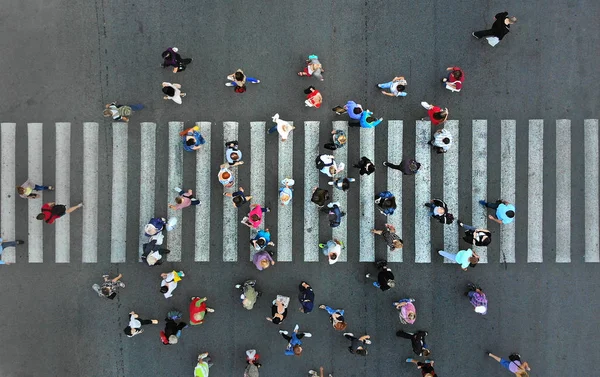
x: 251, y: 371
x: 240, y: 89
x: 320, y: 163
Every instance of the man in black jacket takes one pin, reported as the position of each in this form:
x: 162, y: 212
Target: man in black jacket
x: 417, y: 339
x: 499, y: 29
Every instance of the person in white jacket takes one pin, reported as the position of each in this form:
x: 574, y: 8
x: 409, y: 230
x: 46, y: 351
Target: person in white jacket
x: 327, y: 165
x: 283, y: 127
x: 172, y: 91
x: 169, y: 282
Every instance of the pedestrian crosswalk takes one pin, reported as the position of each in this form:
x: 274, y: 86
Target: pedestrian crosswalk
x: 303, y: 145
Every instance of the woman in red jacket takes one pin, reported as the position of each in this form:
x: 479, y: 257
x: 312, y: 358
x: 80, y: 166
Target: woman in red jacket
x: 437, y: 115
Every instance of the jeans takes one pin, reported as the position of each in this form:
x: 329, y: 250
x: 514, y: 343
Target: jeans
x: 272, y: 129
x: 251, y: 80
x: 136, y: 107
x: 40, y: 188
x: 469, y: 227
x: 447, y: 255
x: 386, y: 85
x: 7, y: 244
x: 492, y: 205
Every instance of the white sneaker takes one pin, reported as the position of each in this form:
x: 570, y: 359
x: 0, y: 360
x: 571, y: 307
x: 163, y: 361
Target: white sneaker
x: 368, y: 276
x: 177, y: 189
x: 228, y: 84
x: 257, y: 81
x: 296, y: 328
x: 238, y: 286
x: 348, y: 333
x: 425, y: 105
x: 307, y: 334
x: 283, y: 332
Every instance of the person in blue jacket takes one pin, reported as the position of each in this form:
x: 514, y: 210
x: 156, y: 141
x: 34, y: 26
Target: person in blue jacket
x: 262, y: 240
x: 386, y: 202
x: 294, y: 346
x: 367, y: 120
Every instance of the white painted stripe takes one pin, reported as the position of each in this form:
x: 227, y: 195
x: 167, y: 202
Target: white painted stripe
x: 203, y: 185
x: 508, y: 141
x: 535, y: 191
x: 230, y: 218
x: 479, y: 181
x: 423, y: 193
x: 563, y: 191
x: 89, y: 227
x: 451, y: 232
x: 7, y: 189
x: 147, y: 178
x: 341, y: 156
x: 311, y: 180
x: 35, y: 156
x: 284, y: 213
x: 592, y: 229
x: 394, y: 181
x: 63, y: 191
x: 175, y: 179
x: 118, y: 229
x: 367, y: 201
x: 257, y: 167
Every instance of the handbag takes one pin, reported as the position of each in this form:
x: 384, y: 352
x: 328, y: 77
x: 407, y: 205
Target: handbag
x: 493, y: 41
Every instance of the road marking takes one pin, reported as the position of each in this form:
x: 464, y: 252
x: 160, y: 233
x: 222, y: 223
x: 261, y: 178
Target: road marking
x: 118, y: 229
x: 479, y: 181
x: 535, y: 191
x: 341, y: 156
x: 147, y: 179
x: 394, y: 182
x: 423, y: 193
x: 203, y: 175
x: 35, y: 156
x: 451, y: 232
x: 563, y: 191
x: 89, y: 228
x: 230, y: 218
x: 175, y: 179
x: 592, y: 229
x: 284, y: 213
x: 508, y: 141
x: 7, y: 188
x: 63, y: 192
x: 311, y: 180
x: 367, y: 201
x: 257, y: 169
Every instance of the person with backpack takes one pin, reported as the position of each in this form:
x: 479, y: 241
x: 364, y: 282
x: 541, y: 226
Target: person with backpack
x: 185, y: 199
x: 172, y: 331
x: 406, y: 310
x: 437, y: 115
x: 332, y: 249
x: 334, y: 213
x: 153, y: 254
x: 198, y: 310
x: 238, y: 80
x: 171, y: 58
x: 442, y: 141
x: 327, y: 165
x: 420, y: 348
x: 454, y: 81
x: 338, y: 140
x: 120, y: 112
x: 202, y: 369
x: 252, y: 368
x: 320, y: 196
x: 477, y: 298
x: 365, y: 165
x: 408, y: 166
x: 385, y: 277
x: 476, y: 236
x: 172, y: 92
x: 306, y: 297
x: 386, y: 203
x: 313, y: 97
x: 294, y: 346
x: 513, y: 364
x: 52, y: 212
x: 233, y: 155
x: 397, y: 87
x: 466, y: 258
x: 336, y: 317
x: 28, y: 190
x: 342, y: 183
x: 313, y: 68
x: 169, y: 282
x: 192, y: 139
x: 238, y: 197
x: 438, y: 209
x: 249, y: 294
x: 109, y: 287
x: 135, y: 324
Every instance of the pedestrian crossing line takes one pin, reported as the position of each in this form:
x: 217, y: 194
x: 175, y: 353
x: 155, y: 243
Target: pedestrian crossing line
x: 422, y: 193
x: 563, y: 191
x: 89, y: 223
x: 508, y: 141
x: 341, y: 157
x: 35, y: 156
x: 257, y: 169
x: 535, y: 191
x: 230, y: 218
x: 284, y: 213
x: 118, y: 229
x: 63, y: 192
x: 367, y: 195
x: 479, y: 182
x: 175, y: 179
x: 202, y: 211
x: 451, y: 231
x: 592, y: 227
x: 7, y: 188
x: 394, y: 182
x: 311, y: 180
x: 147, y: 179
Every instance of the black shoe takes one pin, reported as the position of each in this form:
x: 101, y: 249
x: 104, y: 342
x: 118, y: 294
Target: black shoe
x: 381, y: 263
x: 19, y: 242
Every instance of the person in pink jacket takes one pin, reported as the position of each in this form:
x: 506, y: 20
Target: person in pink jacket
x: 254, y: 218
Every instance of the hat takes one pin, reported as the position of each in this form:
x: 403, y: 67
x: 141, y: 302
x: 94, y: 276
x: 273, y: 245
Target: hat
x: 480, y: 309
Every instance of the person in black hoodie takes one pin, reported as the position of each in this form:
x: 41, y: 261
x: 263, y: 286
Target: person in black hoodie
x: 365, y: 165
x: 173, y: 59
x: 417, y: 339
x: 499, y: 29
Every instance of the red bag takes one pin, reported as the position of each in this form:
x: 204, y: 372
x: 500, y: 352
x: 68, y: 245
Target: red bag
x: 240, y: 89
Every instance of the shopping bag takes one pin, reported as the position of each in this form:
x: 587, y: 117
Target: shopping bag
x: 493, y: 41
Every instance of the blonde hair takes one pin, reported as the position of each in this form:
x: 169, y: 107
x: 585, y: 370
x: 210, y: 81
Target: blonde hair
x: 342, y: 139
x: 107, y: 113
x: 340, y: 326
x: 397, y: 244
x: 264, y: 263
x: 512, y: 19
x: 20, y: 190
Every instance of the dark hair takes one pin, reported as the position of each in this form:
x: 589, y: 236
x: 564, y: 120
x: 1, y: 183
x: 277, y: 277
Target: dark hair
x: 361, y: 351
x: 40, y: 216
x: 178, y: 200
x: 371, y: 119
x: 333, y: 256
x: 401, y: 88
x: 309, y: 89
x: 457, y: 74
x: 357, y: 110
x: 239, y: 76
x: 446, y: 140
x: 261, y: 241
x: 190, y: 142
x: 276, y: 320
x: 388, y: 202
x: 164, y: 289
x: 237, y: 200
x: 345, y: 184
x: 510, y: 214
x: 439, y: 115
x: 426, y: 352
x: 449, y: 218
x: 254, y: 217
x: 166, y: 54
x: 371, y: 168
x: 127, y: 330
x: 169, y: 90
x: 234, y: 156
x: 105, y: 291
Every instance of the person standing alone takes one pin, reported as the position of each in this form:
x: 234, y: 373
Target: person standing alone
x: 499, y: 29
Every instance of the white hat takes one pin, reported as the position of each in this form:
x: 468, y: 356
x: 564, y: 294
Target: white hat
x: 480, y: 309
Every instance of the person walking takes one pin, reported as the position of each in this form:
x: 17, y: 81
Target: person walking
x: 354, y: 112
x: 306, y: 297
x: 185, y: 199
x: 233, y: 155
x: 171, y: 58
x: 367, y: 120
x: 438, y: 209
x: 226, y: 177
x: 336, y: 317
x: 249, y: 294
x: 320, y: 196
x: 192, y: 139
x: 283, y: 127
x: 173, y: 92
x: 500, y: 28
x: 153, y: 254
x: 365, y: 165
x: 466, y: 258
x: 327, y: 165
x: 393, y: 241
x: 334, y: 213
x: 313, y: 97
x: 294, y: 346
x: 254, y: 218
x: 442, y: 141
x: 52, y: 211
x: 396, y: 87
x: 120, y: 112
x: 169, y: 282
x: 385, y: 277
x: 425, y: 367
x: 313, y: 373
x: 476, y: 236
x: 28, y: 190
x: 513, y: 364
x: 357, y: 345
x: 172, y: 331
x: 135, y: 324
x: 252, y: 367
x: 286, y: 192
x: 338, y: 140
x: 109, y: 287
x: 342, y: 183
x: 386, y: 202
x: 313, y: 68
x: 420, y: 348
x: 263, y: 260
x: 262, y: 239
x: 198, y: 310
x: 505, y: 212
x: 202, y: 369
x: 454, y: 81
x: 437, y: 115
x: 406, y: 310
x: 332, y: 249
x: 238, y: 197
x: 4, y: 244
x: 477, y: 298
x: 407, y: 166
x: 279, y: 309
x: 238, y: 80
